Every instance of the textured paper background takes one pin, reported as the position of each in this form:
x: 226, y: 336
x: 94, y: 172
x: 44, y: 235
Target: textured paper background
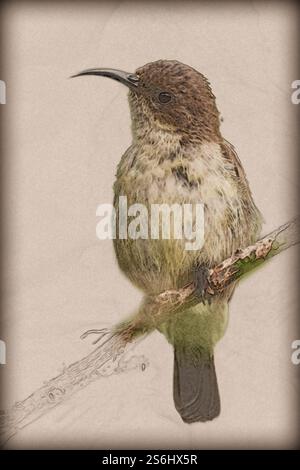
x: 63, y: 141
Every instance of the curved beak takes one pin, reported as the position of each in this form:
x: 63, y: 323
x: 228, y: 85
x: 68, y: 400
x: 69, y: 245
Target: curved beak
x: 128, y: 79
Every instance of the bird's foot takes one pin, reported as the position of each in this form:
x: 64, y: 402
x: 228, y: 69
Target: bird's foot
x: 101, y: 334
x: 201, y: 284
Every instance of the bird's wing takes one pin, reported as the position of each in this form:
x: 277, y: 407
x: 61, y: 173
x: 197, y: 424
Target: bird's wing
x: 230, y: 155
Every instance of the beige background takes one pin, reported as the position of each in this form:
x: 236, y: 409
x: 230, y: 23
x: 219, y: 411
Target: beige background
x: 64, y: 139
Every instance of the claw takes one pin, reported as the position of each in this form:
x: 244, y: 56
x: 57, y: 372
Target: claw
x: 201, y: 284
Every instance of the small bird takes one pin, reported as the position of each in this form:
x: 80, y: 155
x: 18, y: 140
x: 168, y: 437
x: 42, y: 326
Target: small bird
x: 178, y: 155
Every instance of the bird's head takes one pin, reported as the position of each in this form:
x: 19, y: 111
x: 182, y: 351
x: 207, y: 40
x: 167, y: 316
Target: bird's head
x: 170, y: 96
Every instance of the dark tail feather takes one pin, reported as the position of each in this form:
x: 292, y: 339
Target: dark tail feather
x: 195, y: 388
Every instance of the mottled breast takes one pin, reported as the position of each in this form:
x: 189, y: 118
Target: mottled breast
x: 162, y: 171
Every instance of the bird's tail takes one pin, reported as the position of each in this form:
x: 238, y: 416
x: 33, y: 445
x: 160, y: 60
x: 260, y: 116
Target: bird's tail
x: 195, y: 387
x: 194, y: 332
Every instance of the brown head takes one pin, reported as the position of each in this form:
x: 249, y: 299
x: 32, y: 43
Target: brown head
x: 171, y: 96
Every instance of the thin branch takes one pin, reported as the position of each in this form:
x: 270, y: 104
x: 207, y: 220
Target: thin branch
x: 110, y: 355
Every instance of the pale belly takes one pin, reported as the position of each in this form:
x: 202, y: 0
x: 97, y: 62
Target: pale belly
x: 155, y: 265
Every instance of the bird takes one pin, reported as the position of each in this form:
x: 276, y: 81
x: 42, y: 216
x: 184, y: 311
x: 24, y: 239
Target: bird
x: 178, y: 155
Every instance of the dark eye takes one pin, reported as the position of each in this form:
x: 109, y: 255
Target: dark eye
x: 164, y: 97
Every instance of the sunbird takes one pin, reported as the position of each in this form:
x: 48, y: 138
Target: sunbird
x: 179, y: 156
